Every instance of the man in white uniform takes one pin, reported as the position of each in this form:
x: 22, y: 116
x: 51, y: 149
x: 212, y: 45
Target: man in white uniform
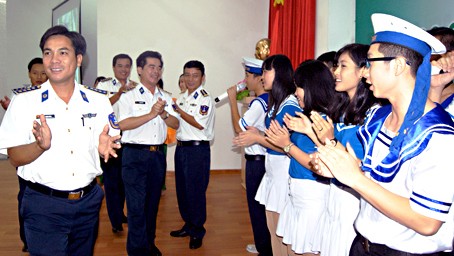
x: 113, y: 183
x: 193, y: 154
x: 144, y: 114
x: 54, y: 134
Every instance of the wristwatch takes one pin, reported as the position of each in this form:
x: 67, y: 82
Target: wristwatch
x: 166, y: 116
x: 334, y: 142
x: 287, y: 148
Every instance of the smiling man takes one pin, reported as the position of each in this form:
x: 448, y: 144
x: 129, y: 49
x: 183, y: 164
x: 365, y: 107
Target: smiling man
x: 55, y: 134
x: 144, y: 114
x: 406, y: 188
x: 193, y: 154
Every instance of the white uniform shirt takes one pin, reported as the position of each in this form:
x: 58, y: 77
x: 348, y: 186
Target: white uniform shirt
x: 255, y: 116
x: 198, y: 104
x: 138, y: 102
x: 73, y: 160
x: 424, y: 178
x: 112, y: 86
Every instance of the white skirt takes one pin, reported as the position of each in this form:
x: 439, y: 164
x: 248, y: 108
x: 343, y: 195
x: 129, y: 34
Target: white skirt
x: 335, y: 232
x: 273, y: 189
x: 299, y: 219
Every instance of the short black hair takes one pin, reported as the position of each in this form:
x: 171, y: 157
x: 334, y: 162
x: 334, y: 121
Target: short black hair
x: 392, y: 50
x: 121, y: 56
x: 446, y: 36
x: 195, y: 64
x: 142, y: 59
x: 77, y: 40
x: 33, y: 62
x: 328, y: 58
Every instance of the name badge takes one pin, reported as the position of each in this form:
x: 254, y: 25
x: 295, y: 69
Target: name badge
x: 47, y: 116
x: 140, y: 102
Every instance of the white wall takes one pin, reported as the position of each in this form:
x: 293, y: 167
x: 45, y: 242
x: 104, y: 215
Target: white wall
x: 335, y: 25
x: 218, y: 33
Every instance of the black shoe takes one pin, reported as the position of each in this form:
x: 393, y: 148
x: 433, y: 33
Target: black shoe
x: 155, y: 251
x: 124, y: 219
x: 195, y: 243
x: 25, y: 248
x: 179, y: 233
x: 116, y: 230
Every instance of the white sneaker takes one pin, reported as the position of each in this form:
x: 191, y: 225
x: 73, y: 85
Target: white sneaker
x: 251, y: 248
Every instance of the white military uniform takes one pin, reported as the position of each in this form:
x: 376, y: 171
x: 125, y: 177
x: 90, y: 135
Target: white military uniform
x: 72, y: 161
x: 199, y: 105
x: 138, y: 102
x: 111, y: 86
x: 255, y: 116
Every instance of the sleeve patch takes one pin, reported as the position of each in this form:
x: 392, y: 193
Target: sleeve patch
x: 113, y: 121
x: 204, y: 110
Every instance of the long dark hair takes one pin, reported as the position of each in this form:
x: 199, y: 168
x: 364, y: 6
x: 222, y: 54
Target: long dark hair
x: 318, y: 83
x: 283, y: 80
x: 354, y: 110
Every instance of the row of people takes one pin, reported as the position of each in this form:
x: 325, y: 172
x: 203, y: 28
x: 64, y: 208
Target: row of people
x: 74, y: 124
x: 317, y: 199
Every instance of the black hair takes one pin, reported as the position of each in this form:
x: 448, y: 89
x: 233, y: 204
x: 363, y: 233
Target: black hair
x: 121, y: 56
x: 283, y: 80
x: 413, y: 57
x: 446, y: 36
x: 33, y: 62
x: 328, y: 58
x: 354, y: 111
x: 161, y: 84
x: 77, y: 40
x: 195, y: 64
x: 142, y: 59
x: 318, y: 83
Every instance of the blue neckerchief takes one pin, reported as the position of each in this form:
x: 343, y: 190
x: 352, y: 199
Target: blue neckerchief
x: 414, y: 141
x: 448, y: 101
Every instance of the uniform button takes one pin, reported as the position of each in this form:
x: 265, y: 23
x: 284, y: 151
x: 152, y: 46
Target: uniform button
x: 73, y: 174
x: 66, y: 108
x: 69, y: 130
x: 72, y: 152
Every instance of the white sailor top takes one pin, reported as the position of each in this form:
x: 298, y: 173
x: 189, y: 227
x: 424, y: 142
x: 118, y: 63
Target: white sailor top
x: 73, y: 160
x: 422, y: 170
x: 255, y: 116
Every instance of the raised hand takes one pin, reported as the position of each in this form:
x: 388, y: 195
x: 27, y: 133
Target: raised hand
x: 108, y: 144
x: 277, y: 135
x: 42, y: 133
x: 324, y: 129
x: 158, y: 107
x: 247, y: 138
x: 300, y: 124
x: 5, y: 102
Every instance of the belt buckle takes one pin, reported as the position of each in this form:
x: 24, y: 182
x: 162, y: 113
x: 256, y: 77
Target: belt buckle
x: 153, y: 148
x: 75, y: 195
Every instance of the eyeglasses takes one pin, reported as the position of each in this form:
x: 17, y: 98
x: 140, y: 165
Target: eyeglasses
x: 367, y: 61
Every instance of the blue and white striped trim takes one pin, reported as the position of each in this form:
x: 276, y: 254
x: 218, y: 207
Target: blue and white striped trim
x: 429, y: 203
x: 262, y: 103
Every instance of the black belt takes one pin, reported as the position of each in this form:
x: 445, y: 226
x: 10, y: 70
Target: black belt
x: 373, y: 247
x: 145, y: 147
x: 70, y: 195
x: 190, y: 143
x: 254, y: 157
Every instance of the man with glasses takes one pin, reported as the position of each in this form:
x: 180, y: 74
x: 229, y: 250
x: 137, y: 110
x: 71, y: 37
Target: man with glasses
x: 406, y: 191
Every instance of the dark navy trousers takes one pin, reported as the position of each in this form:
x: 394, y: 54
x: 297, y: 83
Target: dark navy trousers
x: 192, y: 174
x: 143, y: 173
x: 114, y: 189
x: 20, y: 195
x: 254, y: 174
x: 59, y: 226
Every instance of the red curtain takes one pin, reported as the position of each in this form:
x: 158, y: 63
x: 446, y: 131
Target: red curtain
x: 292, y: 29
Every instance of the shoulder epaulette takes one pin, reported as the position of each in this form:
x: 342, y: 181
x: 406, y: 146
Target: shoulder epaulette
x: 95, y: 89
x: 26, y: 89
x: 131, y: 86
x: 107, y: 79
x: 204, y: 93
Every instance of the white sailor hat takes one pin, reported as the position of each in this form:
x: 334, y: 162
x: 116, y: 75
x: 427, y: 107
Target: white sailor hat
x: 253, y: 65
x: 390, y: 29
